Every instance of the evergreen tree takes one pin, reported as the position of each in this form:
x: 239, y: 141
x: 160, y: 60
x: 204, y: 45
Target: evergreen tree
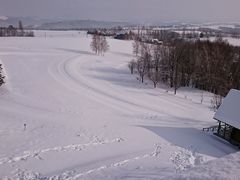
x: 20, y: 28
x: 1, y: 76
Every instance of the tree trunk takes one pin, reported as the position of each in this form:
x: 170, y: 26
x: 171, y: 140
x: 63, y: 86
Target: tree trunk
x: 155, y: 84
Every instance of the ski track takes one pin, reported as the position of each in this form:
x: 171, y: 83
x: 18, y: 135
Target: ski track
x: 65, y: 78
x: 69, y: 70
x: 66, y: 69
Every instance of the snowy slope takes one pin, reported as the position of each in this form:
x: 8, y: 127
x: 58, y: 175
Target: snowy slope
x: 221, y: 169
x: 87, y: 118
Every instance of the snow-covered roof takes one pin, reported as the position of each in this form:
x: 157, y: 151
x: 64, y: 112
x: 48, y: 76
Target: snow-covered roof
x: 229, y: 111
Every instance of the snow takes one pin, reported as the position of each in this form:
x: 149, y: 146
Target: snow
x: 87, y: 117
x: 228, y: 112
x: 233, y: 41
x: 187, y: 32
x: 230, y: 40
x: 3, y: 18
x: 219, y: 26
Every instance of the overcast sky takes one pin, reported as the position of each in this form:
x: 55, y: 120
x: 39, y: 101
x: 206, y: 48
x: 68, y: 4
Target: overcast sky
x: 125, y: 10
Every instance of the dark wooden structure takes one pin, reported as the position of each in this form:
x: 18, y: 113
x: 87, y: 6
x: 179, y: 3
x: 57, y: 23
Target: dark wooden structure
x: 228, y: 117
x: 229, y: 133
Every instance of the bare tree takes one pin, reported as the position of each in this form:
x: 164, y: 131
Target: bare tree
x: 95, y: 43
x: 176, y: 59
x: 154, y: 71
x: 216, y: 101
x: 132, y: 65
x: 99, y: 44
x: 154, y: 76
x: 136, y: 47
x: 143, y: 62
x: 103, y: 45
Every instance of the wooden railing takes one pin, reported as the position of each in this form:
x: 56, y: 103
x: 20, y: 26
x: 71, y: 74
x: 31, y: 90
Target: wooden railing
x: 212, y: 128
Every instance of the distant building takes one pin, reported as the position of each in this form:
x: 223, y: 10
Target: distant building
x: 156, y: 41
x: 228, y: 117
x: 122, y: 36
x: 101, y: 32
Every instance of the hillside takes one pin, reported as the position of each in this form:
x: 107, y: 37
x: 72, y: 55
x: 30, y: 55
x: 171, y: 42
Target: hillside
x: 87, y: 117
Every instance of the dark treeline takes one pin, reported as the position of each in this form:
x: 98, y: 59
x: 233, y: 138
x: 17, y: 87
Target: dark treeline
x: 12, y: 31
x: 211, y: 66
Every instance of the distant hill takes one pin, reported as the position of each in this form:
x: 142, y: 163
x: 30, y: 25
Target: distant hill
x: 27, y: 21
x: 59, y: 24
x: 46, y: 24
x: 81, y: 24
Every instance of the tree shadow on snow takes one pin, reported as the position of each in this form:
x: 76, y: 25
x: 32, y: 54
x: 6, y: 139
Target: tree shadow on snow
x: 75, y: 51
x: 122, y: 54
x: 112, y: 70
x: 191, y: 138
x: 120, y: 77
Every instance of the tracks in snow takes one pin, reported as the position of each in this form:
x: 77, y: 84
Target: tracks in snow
x: 37, y: 153
x: 182, y: 160
x: 72, y: 175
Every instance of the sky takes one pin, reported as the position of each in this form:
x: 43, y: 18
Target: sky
x: 125, y: 10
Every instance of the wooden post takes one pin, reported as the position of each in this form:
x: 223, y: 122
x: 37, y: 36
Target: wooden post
x: 224, y: 133
x: 219, y: 126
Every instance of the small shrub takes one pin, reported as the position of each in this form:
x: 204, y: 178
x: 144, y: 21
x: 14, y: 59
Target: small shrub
x: 216, y: 101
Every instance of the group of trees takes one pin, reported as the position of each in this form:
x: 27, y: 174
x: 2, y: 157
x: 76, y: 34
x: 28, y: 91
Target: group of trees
x: 99, y: 44
x: 15, y: 31
x: 1, y: 76
x: 211, y: 66
x: 149, y: 62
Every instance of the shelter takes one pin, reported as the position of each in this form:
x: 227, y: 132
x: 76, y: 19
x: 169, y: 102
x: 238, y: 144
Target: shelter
x: 228, y: 117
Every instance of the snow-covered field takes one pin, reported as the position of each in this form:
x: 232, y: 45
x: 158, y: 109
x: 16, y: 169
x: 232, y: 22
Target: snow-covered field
x: 87, y: 117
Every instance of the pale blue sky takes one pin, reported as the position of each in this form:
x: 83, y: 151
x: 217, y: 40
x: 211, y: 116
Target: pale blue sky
x: 125, y: 10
